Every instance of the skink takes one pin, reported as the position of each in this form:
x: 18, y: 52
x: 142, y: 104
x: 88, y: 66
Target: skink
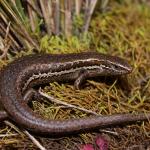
x: 33, y: 70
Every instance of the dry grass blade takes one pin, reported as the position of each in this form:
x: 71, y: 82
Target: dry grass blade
x: 6, y: 43
x: 14, y: 127
x: 3, y: 24
x: 35, y: 141
x: 56, y: 16
x: 46, y: 7
x: 36, y: 18
x: 12, y: 14
x: 32, y: 16
x: 68, y: 17
x: 88, y: 14
x: 35, y: 7
x: 78, y: 4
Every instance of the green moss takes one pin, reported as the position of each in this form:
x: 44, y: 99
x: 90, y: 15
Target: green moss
x: 55, y: 44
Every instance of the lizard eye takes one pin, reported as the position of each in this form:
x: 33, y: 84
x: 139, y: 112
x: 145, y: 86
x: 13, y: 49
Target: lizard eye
x: 116, y: 67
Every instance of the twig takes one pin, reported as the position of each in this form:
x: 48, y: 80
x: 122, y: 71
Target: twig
x: 5, y: 44
x: 27, y: 133
x: 13, y: 127
x: 88, y: 15
x: 36, y: 9
x: 64, y: 103
x: 7, y: 135
x: 4, y: 22
x: 7, y: 30
x: 18, y: 24
x: 56, y: 16
x: 47, y: 14
x: 34, y: 140
x: 78, y: 4
x: 68, y: 19
x: 32, y: 17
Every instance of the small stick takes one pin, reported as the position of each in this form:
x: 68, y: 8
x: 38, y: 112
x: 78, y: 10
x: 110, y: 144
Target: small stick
x: 68, y: 17
x: 56, y: 16
x: 78, y: 4
x: 6, y: 44
x: 35, y: 8
x: 88, y: 15
x: 52, y: 99
x: 32, y: 17
x: 34, y: 140
x: 13, y: 127
x: 47, y: 14
x: 15, y: 45
x: 7, y: 135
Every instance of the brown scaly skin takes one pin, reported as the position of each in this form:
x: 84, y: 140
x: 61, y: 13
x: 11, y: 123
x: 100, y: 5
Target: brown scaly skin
x: 33, y: 70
